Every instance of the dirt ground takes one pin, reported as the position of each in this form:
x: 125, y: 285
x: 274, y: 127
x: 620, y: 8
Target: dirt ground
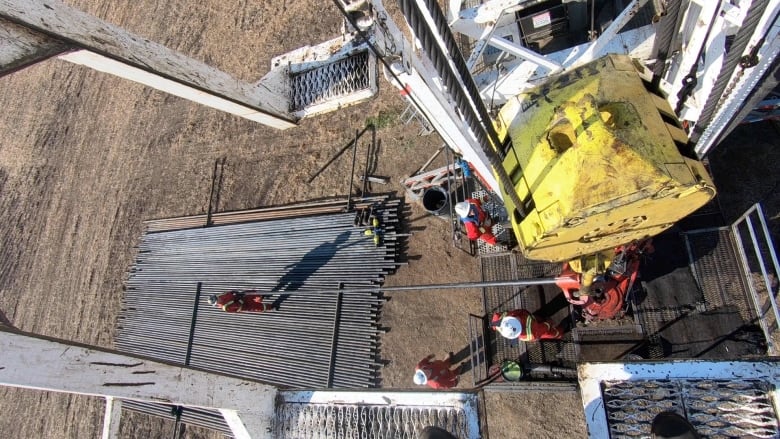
x: 86, y: 157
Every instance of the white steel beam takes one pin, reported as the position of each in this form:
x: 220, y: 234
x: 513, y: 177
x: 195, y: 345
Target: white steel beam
x: 421, y: 85
x: 41, y: 363
x: 111, y: 418
x: 520, y: 75
x: 117, y: 68
x: 598, y: 48
x: 127, y: 55
x: 430, y: 100
x: 744, y: 80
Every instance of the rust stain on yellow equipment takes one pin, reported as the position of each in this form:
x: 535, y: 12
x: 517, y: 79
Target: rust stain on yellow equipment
x: 596, y: 159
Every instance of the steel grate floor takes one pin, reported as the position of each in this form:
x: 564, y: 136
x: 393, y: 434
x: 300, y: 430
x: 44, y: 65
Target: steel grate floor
x: 717, y: 271
x: 716, y: 408
x: 305, y: 420
x: 540, y: 299
x: 371, y: 415
x: 668, y: 314
x: 501, y: 230
x: 330, y: 82
x: 692, y: 303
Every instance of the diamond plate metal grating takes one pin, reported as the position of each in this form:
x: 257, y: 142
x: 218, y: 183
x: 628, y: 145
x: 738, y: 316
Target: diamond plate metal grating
x: 321, y: 421
x: 332, y: 81
x: 716, y: 408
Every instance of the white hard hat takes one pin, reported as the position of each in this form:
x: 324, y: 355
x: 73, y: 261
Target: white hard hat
x: 510, y: 327
x: 462, y: 209
x: 419, y: 377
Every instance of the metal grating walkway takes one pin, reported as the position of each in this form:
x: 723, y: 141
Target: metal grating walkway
x: 331, y: 81
x: 502, y: 229
x: 538, y: 299
x: 669, y: 315
x: 715, y: 267
x: 716, y: 408
x: 721, y: 399
x: 374, y: 415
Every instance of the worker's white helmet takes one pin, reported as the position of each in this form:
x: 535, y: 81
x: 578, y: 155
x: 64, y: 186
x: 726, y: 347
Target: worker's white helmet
x: 462, y: 209
x: 419, y: 377
x: 212, y: 299
x: 510, y: 327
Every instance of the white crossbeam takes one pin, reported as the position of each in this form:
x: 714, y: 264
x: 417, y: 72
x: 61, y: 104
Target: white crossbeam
x: 40, y: 363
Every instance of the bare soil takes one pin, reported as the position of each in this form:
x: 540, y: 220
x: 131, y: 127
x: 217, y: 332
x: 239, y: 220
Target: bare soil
x: 85, y: 158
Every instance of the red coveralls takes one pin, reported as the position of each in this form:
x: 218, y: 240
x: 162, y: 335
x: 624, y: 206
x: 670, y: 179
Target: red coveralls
x: 540, y: 328
x: 232, y: 301
x: 476, y: 221
x: 438, y: 373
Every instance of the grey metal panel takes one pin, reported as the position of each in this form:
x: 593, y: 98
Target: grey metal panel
x: 21, y: 47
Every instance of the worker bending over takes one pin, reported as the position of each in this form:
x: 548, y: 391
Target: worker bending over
x: 239, y: 301
x: 521, y: 324
x: 436, y: 374
x: 478, y: 223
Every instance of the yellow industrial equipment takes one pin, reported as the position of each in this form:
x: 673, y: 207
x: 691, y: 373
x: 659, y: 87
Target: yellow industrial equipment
x: 596, y: 159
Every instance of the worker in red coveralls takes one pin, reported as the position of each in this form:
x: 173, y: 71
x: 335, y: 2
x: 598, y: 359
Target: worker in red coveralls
x: 478, y: 223
x: 239, y: 301
x: 436, y: 374
x: 521, y: 324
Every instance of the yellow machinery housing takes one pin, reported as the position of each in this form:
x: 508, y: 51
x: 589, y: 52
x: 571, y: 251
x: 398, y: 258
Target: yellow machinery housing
x: 595, y: 157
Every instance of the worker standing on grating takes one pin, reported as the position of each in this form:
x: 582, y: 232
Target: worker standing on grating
x: 436, y: 374
x: 521, y: 324
x: 239, y: 301
x: 477, y: 222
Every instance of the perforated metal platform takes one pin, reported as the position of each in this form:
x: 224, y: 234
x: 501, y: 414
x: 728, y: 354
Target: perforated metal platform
x: 492, y: 348
x: 693, y: 303
x: 715, y: 267
x: 385, y: 415
x: 717, y: 408
x: 331, y: 81
x: 502, y: 230
x: 721, y: 399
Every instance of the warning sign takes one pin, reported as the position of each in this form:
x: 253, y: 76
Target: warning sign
x: 541, y: 20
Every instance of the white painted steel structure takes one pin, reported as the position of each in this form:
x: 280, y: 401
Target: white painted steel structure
x: 698, y: 50
x: 595, y: 377
x: 699, y: 44
x: 761, y: 270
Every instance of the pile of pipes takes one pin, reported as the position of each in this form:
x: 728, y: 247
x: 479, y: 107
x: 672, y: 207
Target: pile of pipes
x: 318, y: 337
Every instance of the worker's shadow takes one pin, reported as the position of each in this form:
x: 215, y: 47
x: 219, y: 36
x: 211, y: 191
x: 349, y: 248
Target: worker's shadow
x: 460, y: 356
x: 297, y: 274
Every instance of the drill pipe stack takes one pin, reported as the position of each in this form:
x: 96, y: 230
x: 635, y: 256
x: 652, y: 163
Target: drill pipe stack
x: 318, y: 337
